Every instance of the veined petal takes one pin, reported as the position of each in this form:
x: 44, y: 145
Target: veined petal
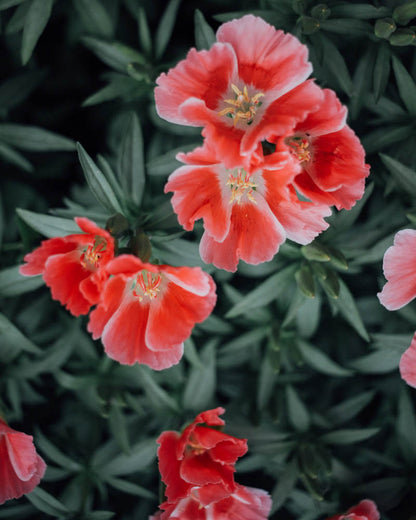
x: 267, y: 58
x: 36, y: 259
x: 22, y: 454
x: 110, y: 301
x: 169, y: 466
x: 255, y: 236
x: 400, y: 270
x: 203, y: 76
x: 197, y: 194
x: 191, y: 279
x: 407, y: 364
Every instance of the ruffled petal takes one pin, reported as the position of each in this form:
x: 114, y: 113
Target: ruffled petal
x: 400, y: 270
x: 36, y: 259
x: 63, y: 275
x: 191, y: 279
x: 202, y: 77
x: 197, y: 194
x: 282, y: 116
x: 267, y: 58
x: 22, y: 454
x: 201, y: 470
x: 255, y: 236
x: 244, y: 504
x: 407, y: 364
x: 366, y: 509
x: 110, y: 301
x: 173, y: 315
x: 169, y: 467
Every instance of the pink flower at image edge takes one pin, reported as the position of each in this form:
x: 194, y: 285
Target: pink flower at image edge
x: 364, y: 510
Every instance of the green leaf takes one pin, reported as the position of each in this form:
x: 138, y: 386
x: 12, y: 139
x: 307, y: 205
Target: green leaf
x: 266, y: 382
x: 118, y: 427
x: 16, y: 89
x: 204, y: 34
x: 200, y: 388
x: 379, y: 362
x: 381, y: 69
x: 94, y: 17
x: 406, y: 427
x: 97, y: 182
x: 237, y: 350
x: 13, y: 341
x: 141, y: 455
x: 362, y: 81
x: 131, y: 161
x: 347, y: 26
x: 349, y: 408
x: 12, y: 283
x: 297, y: 413
x: 48, y: 225
x: 165, y: 27
x: 120, y: 86
x: 128, y: 487
x: 18, y: 512
x: 382, y: 137
x: 345, y: 303
x: 5, y: 4
x: 316, y: 359
x: 404, y: 176
x: 46, y: 503
x: 166, y: 163
x: 157, y: 396
x: 406, y: 85
x: 335, y: 63
x: 348, y: 436
x: 264, y: 293
x: 34, y: 139
x: 115, y: 54
x: 285, y: 485
x: 145, y: 36
x: 10, y: 155
x: 17, y: 21
x: 363, y: 11
x: 35, y: 22
x: 54, y: 454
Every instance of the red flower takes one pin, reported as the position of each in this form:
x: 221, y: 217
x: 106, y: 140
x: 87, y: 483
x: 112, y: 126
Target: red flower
x: 21, y: 468
x: 330, y: 155
x: 203, y: 457
x: 72, y: 266
x: 365, y: 510
x: 248, y: 212
x: 147, y: 311
x: 244, y: 503
x: 248, y: 85
x: 407, y: 364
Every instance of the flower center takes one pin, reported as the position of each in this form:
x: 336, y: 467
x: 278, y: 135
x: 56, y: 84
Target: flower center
x: 195, y: 447
x: 91, y: 255
x: 146, y: 284
x: 243, y: 107
x: 240, y: 185
x: 299, y: 146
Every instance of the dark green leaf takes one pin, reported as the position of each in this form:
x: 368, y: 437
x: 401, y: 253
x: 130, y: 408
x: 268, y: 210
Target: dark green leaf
x: 285, y: 485
x: 406, y: 427
x: 17, y: 21
x: 144, y: 32
x: 348, y: 436
x: 379, y: 362
x: 36, y: 20
x: 381, y: 137
x: 165, y: 27
x: 131, y: 161
x: 297, y: 413
x: 10, y: 155
x: 406, y: 85
x: 48, y: 225
x: 345, y: 303
x: 55, y: 454
x: 141, y: 455
x: 128, y: 487
x: 46, y: 503
x: 381, y: 69
x: 404, y: 176
x: 34, y: 139
x: 204, y: 35
x: 363, y: 11
x: 335, y: 63
x: 12, y: 283
x: 5, y: 4
x: 200, y: 388
x: 16, y: 89
x: 94, y: 17
x: 349, y: 408
x: 320, y: 361
x: 157, y: 396
x: 98, y: 183
x: 114, y: 54
x: 13, y: 341
x: 118, y: 427
x: 346, y: 26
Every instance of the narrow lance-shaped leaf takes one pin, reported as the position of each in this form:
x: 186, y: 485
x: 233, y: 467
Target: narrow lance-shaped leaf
x: 204, y: 34
x: 347, y: 307
x: 12, y: 283
x: 5, y: 4
x: 48, y: 225
x: 201, y: 384
x: 131, y: 161
x: 97, y: 182
x: 381, y: 69
x: 404, y: 176
x: 9, y: 154
x: 35, y: 23
x: 406, y: 85
x: 320, y: 361
x: 165, y: 27
x: 34, y: 139
x: 94, y: 17
x: 297, y: 412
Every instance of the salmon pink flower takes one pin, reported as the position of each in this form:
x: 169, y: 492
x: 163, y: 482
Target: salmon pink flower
x: 407, y: 364
x: 147, y: 311
x: 365, y: 510
x: 21, y: 468
x: 72, y: 266
x: 330, y: 156
x: 201, y: 456
x: 248, y: 209
x: 244, y: 503
x: 250, y: 84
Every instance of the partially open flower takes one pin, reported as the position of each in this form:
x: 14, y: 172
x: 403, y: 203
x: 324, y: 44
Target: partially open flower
x: 365, y: 510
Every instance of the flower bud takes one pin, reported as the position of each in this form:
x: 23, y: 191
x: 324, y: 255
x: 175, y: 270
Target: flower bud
x: 309, y: 24
x: 404, y: 13
x: 117, y: 225
x: 321, y: 12
x: 140, y: 246
x: 305, y: 281
x: 403, y: 37
x: 315, y: 251
x: 384, y: 28
x: 299, y: 6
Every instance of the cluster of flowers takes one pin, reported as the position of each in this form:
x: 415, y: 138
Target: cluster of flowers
x: 143, y: 313
x: 400, y: 270
x: 277, y: 152
x: 198, y: 468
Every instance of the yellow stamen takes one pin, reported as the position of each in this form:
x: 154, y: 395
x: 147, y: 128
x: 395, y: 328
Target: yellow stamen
x: 243, y: 108
x: 241, y: 185
x: 91, y: 255
x: 299, y: 148
x: 147, y: 284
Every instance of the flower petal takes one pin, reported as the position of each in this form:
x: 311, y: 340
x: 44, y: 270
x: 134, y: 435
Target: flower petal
x: 407, y: 364
x: 400, y: 270
x: 36, y: 259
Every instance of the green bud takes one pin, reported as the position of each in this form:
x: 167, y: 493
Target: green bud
x: 140, y: 246
x: 315, y: 251
x: 309, y: 24
x: 299, y: 6
x: 274, y: 357
x: 117, y: 225
x: 404, y: 13
x: 403, y: 37
x: 319, y: 270
x: 384, y: 28
x: 331, y: 285
x: 337, y: 258
x: 321, y: 12
x: 305, y: 281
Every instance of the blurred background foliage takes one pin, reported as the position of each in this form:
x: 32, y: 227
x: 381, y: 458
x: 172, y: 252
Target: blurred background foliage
x: 298, y: 350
